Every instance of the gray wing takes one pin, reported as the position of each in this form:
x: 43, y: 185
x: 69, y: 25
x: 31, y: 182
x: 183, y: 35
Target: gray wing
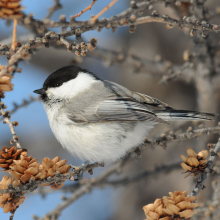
x: 115, y: 104
x: 142, y: 98
x: 107, y: 102
x: 119, y: 109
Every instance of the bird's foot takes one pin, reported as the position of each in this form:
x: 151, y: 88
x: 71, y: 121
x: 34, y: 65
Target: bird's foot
x: 81, y: 170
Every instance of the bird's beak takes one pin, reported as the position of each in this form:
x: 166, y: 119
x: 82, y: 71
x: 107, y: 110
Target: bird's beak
x: 40, y: 91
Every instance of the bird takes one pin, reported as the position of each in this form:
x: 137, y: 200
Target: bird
x: 98, y: 120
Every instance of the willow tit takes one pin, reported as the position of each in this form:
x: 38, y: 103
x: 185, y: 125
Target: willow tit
x: 99, y: 120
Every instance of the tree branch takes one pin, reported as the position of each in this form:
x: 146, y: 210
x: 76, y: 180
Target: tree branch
x: 103, y: 10
x: 25, y: 103
x: 116, y: 183
x: 56, y: 7
x: 162, y: 141
x: 6, y: 116
x: 83, y: 11
x: 118, y: 21
x: 160, y: 67
x: 85, y: 187
x: 201, y: 179
x: 81, y: 191
x: 21, y: 53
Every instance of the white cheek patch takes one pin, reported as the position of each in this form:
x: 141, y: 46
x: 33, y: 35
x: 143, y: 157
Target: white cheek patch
x: 71, y: 88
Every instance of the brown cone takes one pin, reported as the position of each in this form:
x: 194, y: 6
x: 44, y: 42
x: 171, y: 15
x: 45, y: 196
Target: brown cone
x: 8, y: 154
x: 26, y: 168
x: 10, y: 9
x: 178, y: 205
x: 49, y: 167
x: 5, y: 83
x: 195, y: 163
x: 9, y: 201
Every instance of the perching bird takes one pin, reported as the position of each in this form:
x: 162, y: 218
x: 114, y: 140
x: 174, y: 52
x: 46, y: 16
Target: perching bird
x: 98, y: 120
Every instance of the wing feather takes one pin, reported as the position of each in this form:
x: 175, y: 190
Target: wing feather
x: 115, y: 104
x: 142, y: 98
x: 118, y: 103
x: 115, y: 110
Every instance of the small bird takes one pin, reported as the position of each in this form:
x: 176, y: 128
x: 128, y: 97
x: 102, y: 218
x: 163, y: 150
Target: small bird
x: 98, y: 120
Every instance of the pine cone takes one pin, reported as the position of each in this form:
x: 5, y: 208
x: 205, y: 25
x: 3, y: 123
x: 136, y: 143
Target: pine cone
x: 9, y: 201
x: 10, y: 9
x: 49, y: 167
x: 5, y: 83
x: 196, y: 162
x: 8, y: 154
x: 178, y: 205
x: 26, y: 168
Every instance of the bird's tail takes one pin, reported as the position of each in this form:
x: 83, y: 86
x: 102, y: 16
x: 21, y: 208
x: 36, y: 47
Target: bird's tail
x: 179, y: 115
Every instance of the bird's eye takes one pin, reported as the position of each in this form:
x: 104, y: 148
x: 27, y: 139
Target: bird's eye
x: 58, y: 84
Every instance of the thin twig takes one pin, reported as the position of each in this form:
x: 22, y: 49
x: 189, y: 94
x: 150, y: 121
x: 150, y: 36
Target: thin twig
x: 172, y: 137
x: 13, y: 213
x: 83, y: 11
x: 21, y: 53
x: 162, y: 141
x: 14, y: 34
x: 141, y: 176
x: 155, y: 67
x: 56, y: 7
x: 11, y: 125
x: 81, y: 191
x: 121, y: 20
x: 116, y: 183
x: 25, y: 103
x: 201, y: 179
x: 101, y: 181
x: 104, y: 10
x: 79, y: 27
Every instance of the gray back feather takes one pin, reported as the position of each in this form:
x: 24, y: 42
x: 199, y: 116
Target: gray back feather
x: 106, y: 102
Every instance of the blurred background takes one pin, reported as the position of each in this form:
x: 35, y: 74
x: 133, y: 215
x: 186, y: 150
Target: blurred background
x: 148, y: 42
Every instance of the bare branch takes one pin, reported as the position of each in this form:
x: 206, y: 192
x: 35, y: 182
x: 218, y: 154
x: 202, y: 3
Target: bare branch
x: 83, y: 11
x: 116, y: 183
x: 122, y: 19
x: 58, y: 178
x: 25, y: 103
x: 82, y: 190
x: 119, y: 21
x: 158, y: 66
x: 201, y: 179
x: 56, y: 7
x: 11, y: 125
x: 13, y: 213
x: 138, y: 177
x: 104, y: 10
x: 101, y: 181
x: 162, y: 141
x: 11, y: 67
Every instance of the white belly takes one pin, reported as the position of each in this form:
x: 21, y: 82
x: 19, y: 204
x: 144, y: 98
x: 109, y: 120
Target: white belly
x: 100, y: 142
